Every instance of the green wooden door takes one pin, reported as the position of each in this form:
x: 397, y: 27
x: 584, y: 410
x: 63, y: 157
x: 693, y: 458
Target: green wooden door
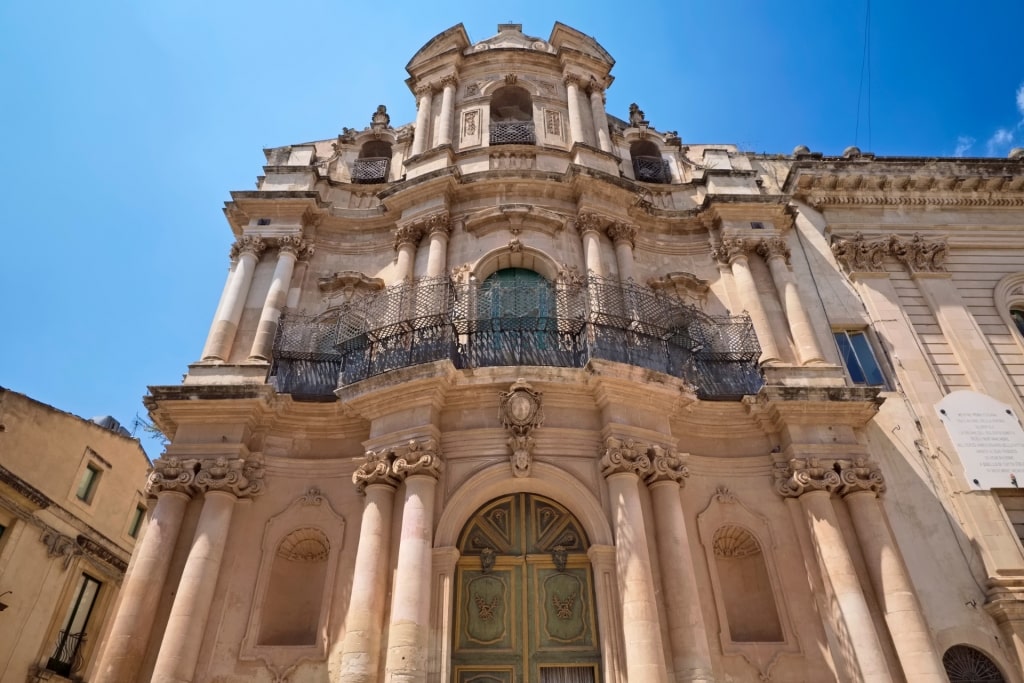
x: 524, y: 609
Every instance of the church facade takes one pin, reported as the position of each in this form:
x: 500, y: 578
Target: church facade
x: 526, y: 392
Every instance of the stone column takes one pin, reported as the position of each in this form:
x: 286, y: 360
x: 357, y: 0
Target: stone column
x: 364, y: 622
x: 289, y: 250
x: 621, y: 464
x: 602, y: 562
x: 424, y: 99
x: 691, y: 656
x: 572, y: 87
x: 775, y: 252
x: 437, y: 227
x: 604, y: 140
x: 419, y: 464
x: 170, y: 481
x: 247, y: 251
x: 861, y: 485
x: 407, y: 238
x: 589, y: 226
x: 623, y: 236
x: 733, y: 251
x: 223, y: 481
x: 813, y: 482
x: 444, y: 135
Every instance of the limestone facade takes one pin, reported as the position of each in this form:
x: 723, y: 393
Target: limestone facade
x: 71, y: 510
x: 523, y: 391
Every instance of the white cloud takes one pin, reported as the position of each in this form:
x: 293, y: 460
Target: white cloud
x: 1020, y: 103
x: 1001, y: 138
x: 963, y: 145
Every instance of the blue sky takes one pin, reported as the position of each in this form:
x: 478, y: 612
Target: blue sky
x: 126, y: 125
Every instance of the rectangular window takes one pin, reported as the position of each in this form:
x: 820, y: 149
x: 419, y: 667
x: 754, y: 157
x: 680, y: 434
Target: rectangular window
x: 87, y: 486
x: 136, y: 523
x: 859, y: 359
x: 65, y: 659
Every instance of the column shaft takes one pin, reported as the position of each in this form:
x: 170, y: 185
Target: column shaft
x: 262, y: 345
x: 624, y: 259
x: 575, y: 119
x: 752, y: 302
x: 183, y: 638
x: 437, y: 255
x: 364, y: 623
x: 140, y: 593
x: 808, y: 349
x: 444, y: 134
x: 410, y: 598
x: 687, y: 634
x: 592, y: 252
x: 406, y: 260
x: 604, y: 141
x: 838, y: 570
x: 222, y: 334
x: 420, y: 141
x: 645, y: 655
x: 910, y: 634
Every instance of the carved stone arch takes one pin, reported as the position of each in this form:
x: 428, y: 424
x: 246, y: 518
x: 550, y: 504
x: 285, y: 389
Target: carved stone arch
x: 515, y: 218
x: 968, y: 664
x: 524, y: 81
x: 529, y: 258
x: 1009, y: 296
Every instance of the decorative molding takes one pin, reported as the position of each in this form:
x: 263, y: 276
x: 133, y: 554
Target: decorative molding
x: 860, y: 254
x: 773, y: 247
x: 91, y: 547
x: 171, y: 474
x: 666, y: 465
x: 521, y: 411
x: 418, y: 457
x: 619, y: 231
x: 733, y: 542
x: 570, y: 275
x: 312, y: 496
x: 408, y: 234
x: 59, y: 545
x: 247, y: 244
x: 25, y: 489
x: 240, y: 476
x: 307, y: 544
x: 732, y: 248
x: 423, y: 90
x: 349, y: 282
x: 375, y: 469
x: 294, y: 244
x: 861, y: 475
x: 920, y: 255
x: 573, y: 79
x: 449, y: 80
x: 589, y: 222
x: 624, y: 456
x: 842, y: 476
x: 683, y: 286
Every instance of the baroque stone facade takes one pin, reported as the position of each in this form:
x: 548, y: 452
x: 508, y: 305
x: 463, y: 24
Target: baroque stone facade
x: 524, y: 391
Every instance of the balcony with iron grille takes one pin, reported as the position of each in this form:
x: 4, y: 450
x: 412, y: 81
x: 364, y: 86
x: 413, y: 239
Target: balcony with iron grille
x: 512, y: 133
x: 651, y: 170
x: 371, y: 170
x: 476, y: 325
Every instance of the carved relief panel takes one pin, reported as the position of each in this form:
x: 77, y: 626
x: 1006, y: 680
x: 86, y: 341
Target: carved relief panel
x: 470, y: 132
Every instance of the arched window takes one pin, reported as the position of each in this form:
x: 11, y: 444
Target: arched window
x: 648, y: 166
x: 512, y: 117
x: 964, y: 664
x: 291, y: 611
x: 746, y: 587
x: 1017, y: 315
x: 373, y: 163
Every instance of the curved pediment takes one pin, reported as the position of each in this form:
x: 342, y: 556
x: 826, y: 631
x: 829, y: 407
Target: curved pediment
x: 453, y: 39
x: 515, y: 217
x: 511, y: 37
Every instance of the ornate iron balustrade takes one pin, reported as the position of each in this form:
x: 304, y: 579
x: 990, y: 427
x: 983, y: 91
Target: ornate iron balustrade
x: 651, y: 170
x: 562, y: 324
x: 512, y: 133
x: 67, y: 656
x: 370, y: 170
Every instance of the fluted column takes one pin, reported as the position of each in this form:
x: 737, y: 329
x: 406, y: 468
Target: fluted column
x: 775, y: 252
x: 364, y: 623
x: 419, y: 464
x: 437, y: 227
x: 170, y: 481
x: 407, y: 238
x: 604, y: 141
x: 621, y: 465
x: 691, y: 656
x: 813, y: 482
x: 247, y: 251
x: 421, y: 138
x: 222, y: 481
x: 861, y: 485
x: 589, y: 226
x: 444, y: 134
x: 289, y: 250
x: 733, y: 252
x: 623, y: 235
x: 572, y: 87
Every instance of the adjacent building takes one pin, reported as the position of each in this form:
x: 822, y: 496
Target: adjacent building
x: 71, y: 509
x: 522, y: 391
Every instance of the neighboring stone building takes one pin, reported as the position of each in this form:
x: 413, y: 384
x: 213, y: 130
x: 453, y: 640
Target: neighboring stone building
x: 71, y: 507
x: 524, y: 392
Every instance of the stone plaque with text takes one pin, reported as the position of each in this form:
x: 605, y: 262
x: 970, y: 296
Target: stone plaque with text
x: 988, y: 438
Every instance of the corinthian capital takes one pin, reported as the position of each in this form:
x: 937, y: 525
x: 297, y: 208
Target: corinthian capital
x: 424, y: 90
x: 731, y: 249
x: 666, y: 465
x: 449, y: 80
x: 803, y: 475
x: 861, y: 475
x: 418, y: 457
x: 624, y: 456
x: 294, y: 244
x: 918, y: 254
x: 408, y: 234
x: 438, y: 223
x: 239, y: 476
x: 860, y: 254
x: 773, y: 247
x: 588, y: 222
x: 376, y: 468
x: 573, y: 79
x: 247, y: 244
x: 621, y: 232
x: 171, y: 474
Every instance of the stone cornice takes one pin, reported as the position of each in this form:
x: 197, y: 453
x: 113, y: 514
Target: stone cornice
x: 23, y: 488
x: 777, y: 406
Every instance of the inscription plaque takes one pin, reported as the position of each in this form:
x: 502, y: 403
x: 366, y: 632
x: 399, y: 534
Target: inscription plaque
x: 988, y: 437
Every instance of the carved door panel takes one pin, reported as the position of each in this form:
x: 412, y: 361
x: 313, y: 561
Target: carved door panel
x: 525, y: 597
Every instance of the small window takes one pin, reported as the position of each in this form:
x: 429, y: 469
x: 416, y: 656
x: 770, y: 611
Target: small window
x: 136, y: 523
x: 87, y: 486
x: 859, y: 359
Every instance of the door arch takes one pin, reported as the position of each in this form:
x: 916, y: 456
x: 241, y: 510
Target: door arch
x: 524, y: 604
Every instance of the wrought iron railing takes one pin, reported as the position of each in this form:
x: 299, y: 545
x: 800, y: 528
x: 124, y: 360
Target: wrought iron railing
x: 475, y: 325
x: 67, y: 656
x: 370, y: 170
x: 512, y: 133
x: 651, y: 170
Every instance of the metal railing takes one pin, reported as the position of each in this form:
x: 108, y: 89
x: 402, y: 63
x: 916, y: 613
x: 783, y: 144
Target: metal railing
x: 67, y: 657
x: 651, y: 170
x: 370, y: 170
x: 512, y: 133
x: 559, y: 324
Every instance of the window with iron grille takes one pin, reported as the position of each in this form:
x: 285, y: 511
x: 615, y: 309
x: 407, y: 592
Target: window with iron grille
x: 648, y: 164
x: 512, y: 117
x: 67, y: 654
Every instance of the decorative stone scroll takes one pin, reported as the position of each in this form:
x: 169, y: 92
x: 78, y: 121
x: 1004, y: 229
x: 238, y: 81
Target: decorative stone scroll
x: 861, y: 475
x: 171, y: 474
x: 375, y: 469
x: 771, y: 247
x: 414, y: 231
x: 841, y: 476
x: 520, y: 413
x: 418, y: 457
x: 296, y: 245
x: 732, y: 248
x: 619, y: 231
x: 918, y: 254
x: 860, y: 254
x: 408, y: 234
x: 589, y: 222
x: 239, y: 476
x: 624, y: 456
x: 247, y: 244
x: 666, y: 465
x: 349, y: 282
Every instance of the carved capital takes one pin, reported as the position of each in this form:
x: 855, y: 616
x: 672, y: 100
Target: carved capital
x: 247, y: 244
x: 408, y: 234
x: 624, y: 456
x: 860, y: 254
x: 423, y: 90
x: 376, y: 468
x: 803, y: 475
x: 439, y: 223
x: 731, y: 249
x: 920, y: 255
x: 573, y: 79
x: 666, y: 465
x: 59, y: 545
x: 589, y: 222
x: 621, y: 232
x: 294, y: 244
x: 171, y: 474
x: 239, y: 476
x: 773, y: 247
x: 861, y: 475
x: 418, y: 457
x: 450, y: 80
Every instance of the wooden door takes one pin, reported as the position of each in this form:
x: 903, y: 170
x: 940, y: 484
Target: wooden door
x: 524, y: 608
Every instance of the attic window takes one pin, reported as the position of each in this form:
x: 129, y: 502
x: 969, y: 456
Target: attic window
x: 757, y: 225
x: 648, y: 165
x: 263, y: 221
